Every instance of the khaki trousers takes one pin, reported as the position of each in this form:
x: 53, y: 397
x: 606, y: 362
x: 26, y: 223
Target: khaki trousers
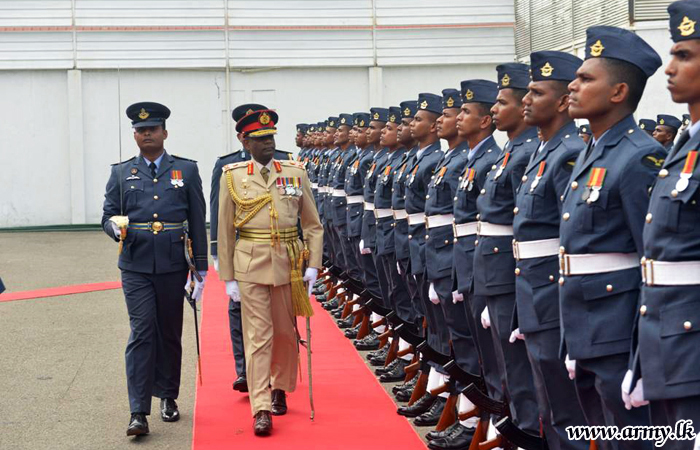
x: 270, y: 341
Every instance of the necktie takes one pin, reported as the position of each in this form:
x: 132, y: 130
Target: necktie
x: 265, y: 172
x: 679, y: 145
x: 152, y: 166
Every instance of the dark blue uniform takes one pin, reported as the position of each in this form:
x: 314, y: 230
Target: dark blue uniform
x: 494, y: 274
x: 153, y: 267
x: 338, y: 211
x: 234, y: 308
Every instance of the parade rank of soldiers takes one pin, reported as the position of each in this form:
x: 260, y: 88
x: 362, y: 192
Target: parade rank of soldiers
x: 502, y: 286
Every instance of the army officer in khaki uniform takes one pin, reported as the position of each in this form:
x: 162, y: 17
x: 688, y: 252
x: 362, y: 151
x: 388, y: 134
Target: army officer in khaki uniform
x: 262, y: 259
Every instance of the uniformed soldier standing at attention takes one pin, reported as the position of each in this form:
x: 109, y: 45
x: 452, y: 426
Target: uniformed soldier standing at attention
x: 667, y: 127
x: 261, y: 258
x: 669, y: 314
x: 161, y: 195
x: 234, y: 308
x: 601, y: 225
x: 536, y: 241
x: 648, y: 126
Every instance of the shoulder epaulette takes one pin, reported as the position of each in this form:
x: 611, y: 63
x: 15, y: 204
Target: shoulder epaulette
x: 128, y: 160
x: 293, y: 163
x: 232, y: 166
x: 184, y: 159
x: 229, y: 154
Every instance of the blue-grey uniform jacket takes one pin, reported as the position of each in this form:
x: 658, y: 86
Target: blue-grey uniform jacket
x: 369, y: 223
x: 354, y: 185
x: 382, y: 200
x: 398, y: 203
x: 339, y: 204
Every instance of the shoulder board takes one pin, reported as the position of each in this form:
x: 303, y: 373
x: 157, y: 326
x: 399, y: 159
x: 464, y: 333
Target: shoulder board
x: 292, y: 163
x: 128, y: 160
x: 232, y: 166
x: 229, y: 154
x: 183, y: 159
x: 654, y: 160
x: 641, y: 139
x: 573, y: 142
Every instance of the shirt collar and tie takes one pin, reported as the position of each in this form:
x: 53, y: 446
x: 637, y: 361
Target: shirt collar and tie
x: 154, y: 165
x: 264, y: 169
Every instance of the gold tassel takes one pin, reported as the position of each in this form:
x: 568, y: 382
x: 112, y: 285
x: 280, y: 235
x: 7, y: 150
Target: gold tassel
x: 300, y: 296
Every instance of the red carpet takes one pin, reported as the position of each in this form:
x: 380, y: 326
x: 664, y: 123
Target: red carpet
x: 352, y: 409
x: 61, y: 290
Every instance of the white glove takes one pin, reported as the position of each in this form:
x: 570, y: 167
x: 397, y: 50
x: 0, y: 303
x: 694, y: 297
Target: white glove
x: 570, y: 366
x: 216, y: 262
x: 198, y: 285
x: 398, y: 267
x: 363, y: 249
x: 485, y: 319
x: 432, y: 295
x: 633, y: 399
x: 117, y: 231
x: 515, y: 335
x: 457, y: 297
x: 232, y: 291
x: 310, y: 277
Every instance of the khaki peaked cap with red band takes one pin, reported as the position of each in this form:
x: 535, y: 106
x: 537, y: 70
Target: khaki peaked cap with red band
x: 258, y: 123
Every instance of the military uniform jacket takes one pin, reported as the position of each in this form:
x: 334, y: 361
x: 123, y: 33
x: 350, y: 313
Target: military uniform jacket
x: 148, y: 199
x: 465, y: 210
x: 338, y: 205
x: 354, y: 185
x: 669, y: 343
x: 382, y: 200
x: 440, y: 200
x: 494, y: 266
x: 329, y: 172
x: 398, y: 202
x: 237, y: 156
x: 322, y: 182
x: 596, y: 320
x: 417, y: 182
x: 537, y: 216
x: 369, y: 223
x: 260, y: 262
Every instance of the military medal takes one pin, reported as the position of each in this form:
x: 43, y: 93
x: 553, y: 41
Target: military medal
x: 595, y: 183
x: 398, y: 178
x: 688, y: 167
x: 371, y: 170
x: 503, y: 166
x: 468, y: 179
x: 540, y: 171
x: 176, y: 178
x: 280, y: 186
x: 387, y: 172
x: 413, y: 176
x: 441, y: 174
x: 353, y: 170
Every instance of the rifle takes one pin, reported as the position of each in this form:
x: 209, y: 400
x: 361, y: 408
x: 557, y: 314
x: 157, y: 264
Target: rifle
x: 520, y: 438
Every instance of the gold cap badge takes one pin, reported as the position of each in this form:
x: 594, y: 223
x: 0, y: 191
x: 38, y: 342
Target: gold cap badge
x: 505, y: 81
x: 597, y: 48
x: 687, y: 26
x: 362, y: 123
x: 469, y: 95
x: 642, y: 126
x: 661, y: 121
x: 424, y: 104
x: 264, y: 119
x: 376, y: 116
x: 450, y: 102
x: 407, y: 112
x: 342, y: 120
x: 143, y: 115
x: 547, y: 70
x: 250, y: 111
x: 392, y: 118
x: 332, y: 124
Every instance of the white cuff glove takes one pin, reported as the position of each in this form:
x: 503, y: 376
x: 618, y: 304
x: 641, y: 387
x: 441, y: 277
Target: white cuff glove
x: 432, y: 295
x: 570, y: 366
x: 457, y: 297
x: 117, y: 231
x: 232, y: 291
x: 398, y: 267
x: 485, y: 319
x: 198, y: 285
x: 216, y: 263
x: 515, y: 335
x: 363, y: 249
x: 310, y: 277
x: 635, y: 398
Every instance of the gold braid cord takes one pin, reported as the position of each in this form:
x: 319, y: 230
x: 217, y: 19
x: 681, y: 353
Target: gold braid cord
x: 245, y: 211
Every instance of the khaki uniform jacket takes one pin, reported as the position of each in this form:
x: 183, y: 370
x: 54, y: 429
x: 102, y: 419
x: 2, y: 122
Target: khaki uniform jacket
x: 260, y: 262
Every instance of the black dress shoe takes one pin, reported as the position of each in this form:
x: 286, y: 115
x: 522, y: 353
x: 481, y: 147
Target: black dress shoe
x: 377, y: 360
x: 382, y: 370
x: 241, y: 384
x: 279, y: 402
x: 409, y: 385
x: 368, y: 344
x: 330, y: 305
x: 346, y: 323
x: 432, y: 435
x: 262, y: 423
x: 404, y: 395
x: 419, y: 407
x: 381, y: 353
x: 397, y: 373
x: 168, y: 410
x: 351, y: 333
x: 138, y: 425
x: 321, y: 298
x: 459, y: 438
x: 431, y: 417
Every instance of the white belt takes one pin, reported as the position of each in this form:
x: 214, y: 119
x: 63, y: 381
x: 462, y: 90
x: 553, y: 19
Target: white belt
x: 670, y: 273
x: 492, y: 229
x: 338, y: 193
x: 321, y: 189
x: 400, y: 214
x: 314, y: 185
x: 369, y: 206
x: 355, y: 199
x: 596, y: 263
x: 416, y: 219
x: 439, y: 220
x: 535, y: 249
x: 381, y: 213
x: 464, y: 229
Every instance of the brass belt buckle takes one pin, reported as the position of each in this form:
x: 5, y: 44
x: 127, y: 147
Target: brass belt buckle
x: 157, y: 227
x: 563, y: 266
x: 516, y: 251
x: 648, y: 271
